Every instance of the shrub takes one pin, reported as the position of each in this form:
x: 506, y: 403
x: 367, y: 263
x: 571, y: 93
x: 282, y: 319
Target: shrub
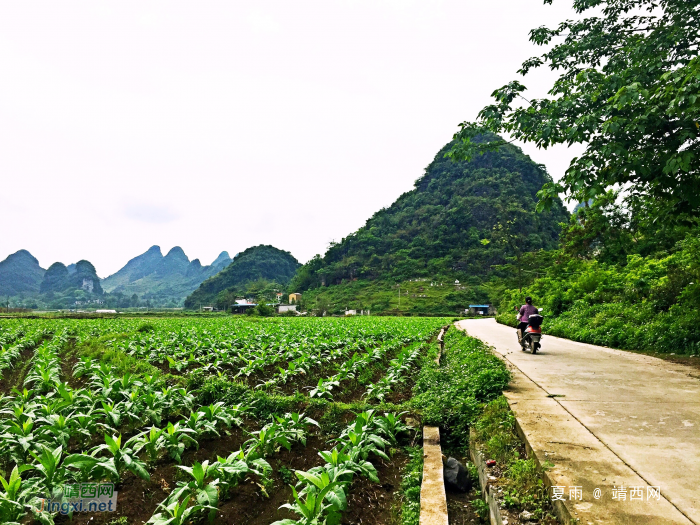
x: 451, y: 395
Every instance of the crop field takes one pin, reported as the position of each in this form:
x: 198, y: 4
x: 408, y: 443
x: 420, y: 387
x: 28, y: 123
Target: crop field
x: 211, y: 420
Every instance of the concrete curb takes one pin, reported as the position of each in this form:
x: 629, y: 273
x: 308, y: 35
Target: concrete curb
x: 487, y: 490
x: 441, y: 345
x: 562, y: 513
x: 433, y: 500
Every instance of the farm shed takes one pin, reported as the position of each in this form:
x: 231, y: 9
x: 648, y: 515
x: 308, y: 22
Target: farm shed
x: 480, y: 309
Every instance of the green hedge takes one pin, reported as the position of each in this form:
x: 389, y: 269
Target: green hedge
x: 649, y: 303
x: 452, y: 395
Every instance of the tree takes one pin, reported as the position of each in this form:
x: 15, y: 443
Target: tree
x: 629, y: 89
x: 511, y: 232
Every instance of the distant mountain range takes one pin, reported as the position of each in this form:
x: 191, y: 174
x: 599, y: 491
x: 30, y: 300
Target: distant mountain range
x: 20, y: 273
x: 150, y: 276
x: 158, y: 278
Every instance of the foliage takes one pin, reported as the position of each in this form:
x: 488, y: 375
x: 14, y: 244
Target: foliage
x: 20, y: 273
x: 108, y: 394
x: 628, y: 88
x: 451, y: 395
x: 460, y: 219
x: 58, y: 279
x: 647, y: 303
x: 259, y: 262
x: 495, y: 436
x: 410, y: 487
x: 418, y: 297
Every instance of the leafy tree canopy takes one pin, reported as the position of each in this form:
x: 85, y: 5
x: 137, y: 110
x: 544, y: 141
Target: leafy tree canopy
x: 460, y: 220
x: 629, y: 89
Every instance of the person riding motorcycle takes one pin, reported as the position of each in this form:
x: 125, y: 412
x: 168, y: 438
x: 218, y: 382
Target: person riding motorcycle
x: 526, y: 311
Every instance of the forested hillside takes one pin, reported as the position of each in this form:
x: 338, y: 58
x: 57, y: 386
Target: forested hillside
x: 20, y: 273
x: 258, y: 264
x: 462, y: 222
x: 59, y: 279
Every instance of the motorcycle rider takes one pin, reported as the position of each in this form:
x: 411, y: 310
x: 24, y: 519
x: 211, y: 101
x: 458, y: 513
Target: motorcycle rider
x: 526, y: 311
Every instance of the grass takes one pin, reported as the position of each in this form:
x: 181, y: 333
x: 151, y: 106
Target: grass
x: 410, y: 487
x: 452, y: 394
x: 494, y: 434
x: 96, y: 349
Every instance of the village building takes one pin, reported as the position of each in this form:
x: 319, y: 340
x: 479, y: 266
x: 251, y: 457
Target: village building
x: 480, y: 309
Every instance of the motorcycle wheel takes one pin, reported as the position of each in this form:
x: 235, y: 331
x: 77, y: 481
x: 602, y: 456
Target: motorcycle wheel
x: 535, y: 348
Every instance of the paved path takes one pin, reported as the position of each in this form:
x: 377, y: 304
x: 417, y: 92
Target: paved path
x: 604, y: 418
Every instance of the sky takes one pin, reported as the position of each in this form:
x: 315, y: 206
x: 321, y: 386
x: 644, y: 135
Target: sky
x: 222, y: 125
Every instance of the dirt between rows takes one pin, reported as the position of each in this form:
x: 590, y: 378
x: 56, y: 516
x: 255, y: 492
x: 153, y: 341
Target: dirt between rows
x: 15, y: 376
x: 368, y: 502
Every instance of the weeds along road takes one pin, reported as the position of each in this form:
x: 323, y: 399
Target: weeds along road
x: 607, y: 419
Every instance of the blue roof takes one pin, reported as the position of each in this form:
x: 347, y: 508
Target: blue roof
x: 479, y: 305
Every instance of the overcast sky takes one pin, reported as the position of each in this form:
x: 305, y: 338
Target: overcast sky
x: 222, y: 125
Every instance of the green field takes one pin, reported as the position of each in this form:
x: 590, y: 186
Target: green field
x: 198, y: 419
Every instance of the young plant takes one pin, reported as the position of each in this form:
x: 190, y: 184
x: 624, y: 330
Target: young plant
x: 176, y: 513
x: 53, y: 471
x: 122, y: 458
x: 296, y: 426
x: 152, y: 441
x: 267, y: 440
x: 200, y: 425
x: 206, y: 494
x: 13, y: 501
x: 18, y: 438
x: 177, y: 438
x: 323, y: 389
x: 348, y: 458
x: 324, y: 502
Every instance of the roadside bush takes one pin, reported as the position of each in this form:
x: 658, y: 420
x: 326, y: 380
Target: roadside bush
x: 647, y: 304
x: 452, y: 395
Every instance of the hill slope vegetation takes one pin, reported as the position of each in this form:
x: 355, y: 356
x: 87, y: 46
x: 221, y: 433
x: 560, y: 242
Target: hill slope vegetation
x: 619, y: 279
x: 259, y: 263
x: 20, y: 273
x: 462, y: 221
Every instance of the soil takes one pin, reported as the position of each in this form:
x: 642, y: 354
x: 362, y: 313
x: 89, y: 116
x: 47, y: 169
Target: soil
x: 14, y: 377
x: 459, y: 508
x: 374, y: 503
x: 68, y: 361
x: 692, y: 362
x: 250, y: 503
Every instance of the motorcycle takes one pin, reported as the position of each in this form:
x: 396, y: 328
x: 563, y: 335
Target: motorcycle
x: 530, y: 340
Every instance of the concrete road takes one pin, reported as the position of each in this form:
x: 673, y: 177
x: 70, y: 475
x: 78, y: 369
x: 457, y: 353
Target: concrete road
x: 605, y: 418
